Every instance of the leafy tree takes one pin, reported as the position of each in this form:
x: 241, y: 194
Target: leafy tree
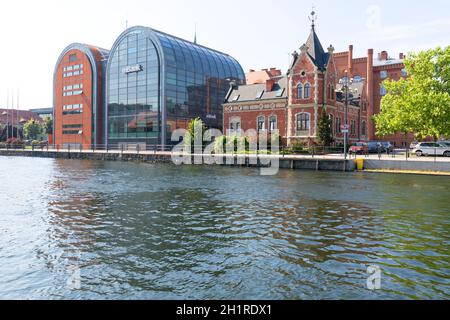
x: 196, y: 128
x: 32, y: 129
x: 421, y: 102
x: 324, y: 130
x: 48, y: 125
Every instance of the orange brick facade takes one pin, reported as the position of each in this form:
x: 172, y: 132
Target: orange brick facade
x: 78, y: 103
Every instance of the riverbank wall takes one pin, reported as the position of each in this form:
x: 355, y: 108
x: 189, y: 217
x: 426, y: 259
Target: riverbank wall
x: 403, y: 165
x: 261, y: 161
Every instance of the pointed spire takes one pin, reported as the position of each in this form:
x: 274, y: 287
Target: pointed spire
x: 313, y: 45
x: 195, y: 35
x: 313, y: 18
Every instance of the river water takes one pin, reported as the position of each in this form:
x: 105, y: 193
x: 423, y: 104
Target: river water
x: 110, y: 230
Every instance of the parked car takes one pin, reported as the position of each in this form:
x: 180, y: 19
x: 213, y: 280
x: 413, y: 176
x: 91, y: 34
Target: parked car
x: 414, y: 144
x: 446, y: 143
x: 375, y: 146
x: 431, y: 149
x: 388, y: 147
x: 359, y: 148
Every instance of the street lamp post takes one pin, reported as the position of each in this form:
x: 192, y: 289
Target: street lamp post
x: 346, y: 82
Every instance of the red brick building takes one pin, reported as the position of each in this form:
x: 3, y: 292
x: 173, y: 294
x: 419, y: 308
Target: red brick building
x: 312, y: 83
x: 78, y: 96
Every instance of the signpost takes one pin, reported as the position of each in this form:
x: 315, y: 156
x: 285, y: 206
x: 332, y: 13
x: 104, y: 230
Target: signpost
x: 345, y: 129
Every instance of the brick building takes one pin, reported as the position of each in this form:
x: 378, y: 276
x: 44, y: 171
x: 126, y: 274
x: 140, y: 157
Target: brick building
x: 293, y: 102
x: 78, y: 96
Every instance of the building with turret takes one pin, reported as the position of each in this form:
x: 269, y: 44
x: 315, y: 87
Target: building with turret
x: 292, y: 103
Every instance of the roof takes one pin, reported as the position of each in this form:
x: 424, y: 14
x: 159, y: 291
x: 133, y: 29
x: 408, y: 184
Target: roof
x: 17, y: 116
x: 186, y: 55
x: 315, y: 50
x: 252, y: 92
x: 381, y: 63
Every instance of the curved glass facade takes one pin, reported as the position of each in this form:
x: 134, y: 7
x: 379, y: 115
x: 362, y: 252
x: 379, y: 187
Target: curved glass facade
x: 159, y: 81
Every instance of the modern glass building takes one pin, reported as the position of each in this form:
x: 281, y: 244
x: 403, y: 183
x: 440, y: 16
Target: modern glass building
x: 157, y: 83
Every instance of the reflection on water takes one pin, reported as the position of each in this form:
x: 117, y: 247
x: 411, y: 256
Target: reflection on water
x: 157, y: 231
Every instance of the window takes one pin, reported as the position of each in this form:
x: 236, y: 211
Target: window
x: 299, y: 91
x: 363, y: 128
x: 307, y: 91
x: 303, y: 123
x: 353, y: 127
x: 404, y: 73
x: 338, y: 125
x: 72, y: 126
x: 383, y: 74
x: 280, y: 93
x: 383, y: 91
x: 73, y: 57
x: 273, y: 123
x: 235, y: 123
x: 261, y: 123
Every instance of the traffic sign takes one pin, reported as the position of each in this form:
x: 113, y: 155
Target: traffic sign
x: 345, y: 127
x: 344, y: 131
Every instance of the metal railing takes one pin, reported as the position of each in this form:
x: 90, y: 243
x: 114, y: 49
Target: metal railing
x: 312, y: 151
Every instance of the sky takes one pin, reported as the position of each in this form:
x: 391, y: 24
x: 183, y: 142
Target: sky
x: 258, y: 33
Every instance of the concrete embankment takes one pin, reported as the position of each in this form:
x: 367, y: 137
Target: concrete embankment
x: 261, y: 161
x: 399, y: 166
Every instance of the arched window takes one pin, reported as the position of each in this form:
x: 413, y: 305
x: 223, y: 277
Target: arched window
x: 272, y: 123
x: 332, y: 92
x: 363, y: 128
x: 303, y: 124
x: 261, y: 123
x: 300, y: 91
x: 307, y: 91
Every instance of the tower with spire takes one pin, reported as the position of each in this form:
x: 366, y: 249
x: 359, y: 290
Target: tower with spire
x: 309, y: 85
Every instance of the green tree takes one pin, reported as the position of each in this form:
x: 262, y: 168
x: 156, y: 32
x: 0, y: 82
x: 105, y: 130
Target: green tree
x: 196, y: 129
x: 48, y: 125
x: 32, y: 129
x: 419, y: 104
x: 324, y: 130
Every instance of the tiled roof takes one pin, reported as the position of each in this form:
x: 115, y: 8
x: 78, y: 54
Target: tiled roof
x: 250, y: 92
x: 14, y: 118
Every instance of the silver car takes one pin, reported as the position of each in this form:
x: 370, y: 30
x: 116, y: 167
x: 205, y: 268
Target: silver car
x: 431, y: 149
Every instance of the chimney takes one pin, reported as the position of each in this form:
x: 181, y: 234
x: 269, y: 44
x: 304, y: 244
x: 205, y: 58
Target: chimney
x: 269, y: 85
x: 274, y: 72
x: 401, y: 56
x: 384, y: 56
x: 350, y: 61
